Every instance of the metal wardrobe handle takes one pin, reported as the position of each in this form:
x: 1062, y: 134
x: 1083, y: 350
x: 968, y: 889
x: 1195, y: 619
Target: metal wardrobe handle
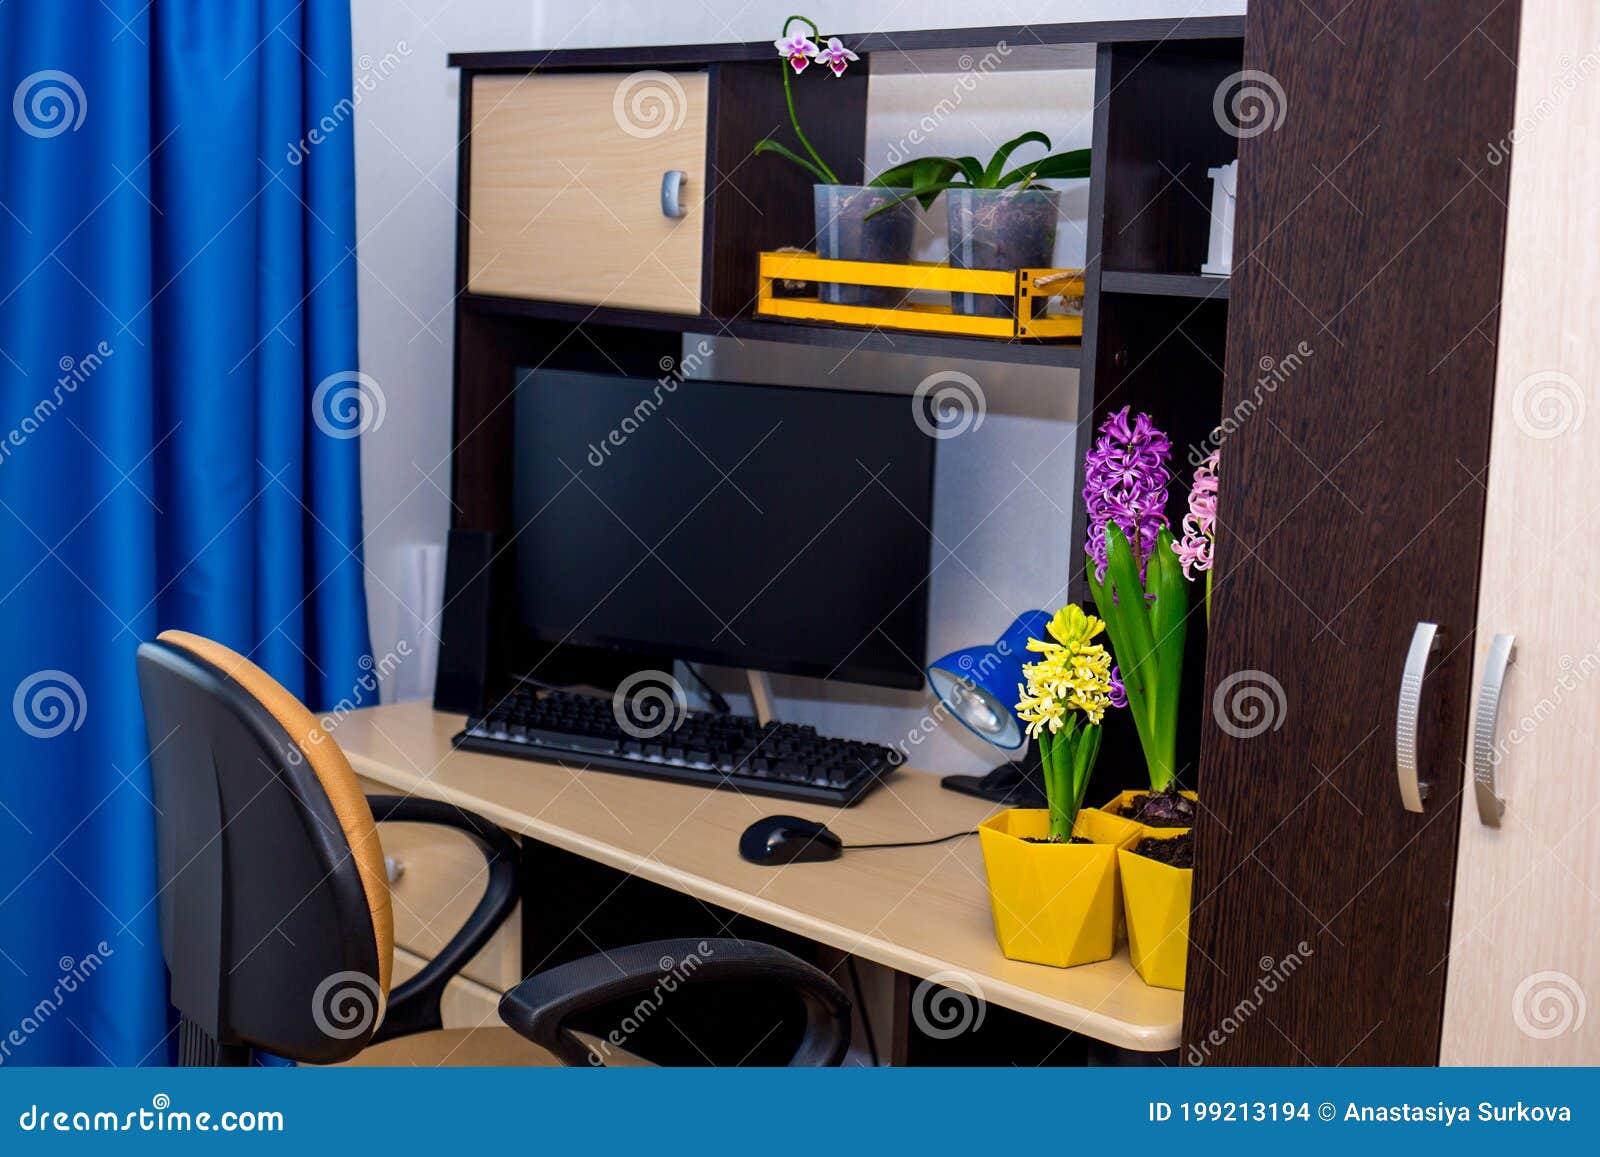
x: 1502, y: 653
x: 1424, y: 642
x: 672, y: 193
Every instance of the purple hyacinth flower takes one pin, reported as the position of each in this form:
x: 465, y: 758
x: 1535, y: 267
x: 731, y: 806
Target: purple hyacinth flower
x: 1118, y: 693
x: 1125, y: 481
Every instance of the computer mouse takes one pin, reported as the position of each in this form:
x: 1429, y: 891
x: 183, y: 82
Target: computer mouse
x: 788, y: 840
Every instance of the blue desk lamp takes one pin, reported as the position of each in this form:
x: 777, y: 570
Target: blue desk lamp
x: 978, y: 685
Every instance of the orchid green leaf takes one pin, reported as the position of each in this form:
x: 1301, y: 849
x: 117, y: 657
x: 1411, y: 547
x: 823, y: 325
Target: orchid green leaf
x: 1056, y: 167
x: 768, y: 145
x: 997, y: 163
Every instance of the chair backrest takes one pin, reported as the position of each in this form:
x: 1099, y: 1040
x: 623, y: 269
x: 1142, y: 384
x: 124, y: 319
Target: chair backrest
x: 274, y: 902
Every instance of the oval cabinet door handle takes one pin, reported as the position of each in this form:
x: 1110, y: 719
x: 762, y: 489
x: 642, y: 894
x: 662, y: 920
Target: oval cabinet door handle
x: 672, y: 193
x: 1485, y: 759
x: 394, y: 867
x: 1424, y: 642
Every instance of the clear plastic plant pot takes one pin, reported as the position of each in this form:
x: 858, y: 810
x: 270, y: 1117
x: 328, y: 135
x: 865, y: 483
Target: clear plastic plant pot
x: 846, y: 233
x: 1000, y: 229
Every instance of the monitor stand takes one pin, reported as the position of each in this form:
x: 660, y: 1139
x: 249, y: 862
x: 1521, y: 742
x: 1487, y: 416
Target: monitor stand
x: 1019, y: 783
x: 761, y: 695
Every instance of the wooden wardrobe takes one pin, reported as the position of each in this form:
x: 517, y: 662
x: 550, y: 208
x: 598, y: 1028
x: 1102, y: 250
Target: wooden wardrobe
x: 1424, y: 219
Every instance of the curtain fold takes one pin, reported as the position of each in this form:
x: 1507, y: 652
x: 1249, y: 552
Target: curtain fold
x: 180, y: 410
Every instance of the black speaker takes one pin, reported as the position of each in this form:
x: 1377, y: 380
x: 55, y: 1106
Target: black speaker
x: 472, y: 626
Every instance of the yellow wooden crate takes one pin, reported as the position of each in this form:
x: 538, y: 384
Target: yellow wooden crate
x: 1025, y: 286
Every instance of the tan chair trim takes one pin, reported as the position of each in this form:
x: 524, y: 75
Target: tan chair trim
x: 333, y: 772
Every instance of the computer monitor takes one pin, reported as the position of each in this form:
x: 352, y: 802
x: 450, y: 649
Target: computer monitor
x: 757, y: 526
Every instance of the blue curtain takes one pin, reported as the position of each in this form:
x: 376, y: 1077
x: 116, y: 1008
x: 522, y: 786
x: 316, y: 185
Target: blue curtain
x: 179, y: 400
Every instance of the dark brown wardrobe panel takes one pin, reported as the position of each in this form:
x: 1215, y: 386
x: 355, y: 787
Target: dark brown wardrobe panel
x: 1357, y: 403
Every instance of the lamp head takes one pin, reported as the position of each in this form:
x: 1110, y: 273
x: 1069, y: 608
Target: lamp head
x: 978, y: 685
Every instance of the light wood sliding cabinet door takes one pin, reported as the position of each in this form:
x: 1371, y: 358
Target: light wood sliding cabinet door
x: 1524, y: 966
x: 566, y: 196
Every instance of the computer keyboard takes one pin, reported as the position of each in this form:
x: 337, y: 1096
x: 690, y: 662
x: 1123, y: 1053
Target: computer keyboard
x: 785, y: 760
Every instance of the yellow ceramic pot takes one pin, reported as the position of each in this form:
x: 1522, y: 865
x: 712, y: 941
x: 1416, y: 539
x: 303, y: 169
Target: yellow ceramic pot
x: 1156, y: 898
x: 1125, y: 799
x: 1054, y: 903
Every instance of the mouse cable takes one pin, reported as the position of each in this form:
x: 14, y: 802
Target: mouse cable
x: 910, y: 843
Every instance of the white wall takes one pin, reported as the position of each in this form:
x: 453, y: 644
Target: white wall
x: 1003, y: 492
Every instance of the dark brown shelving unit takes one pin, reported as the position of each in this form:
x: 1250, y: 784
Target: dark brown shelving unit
x: 1155, y: 330
x: 852, y: 338
x: 1163, y: 284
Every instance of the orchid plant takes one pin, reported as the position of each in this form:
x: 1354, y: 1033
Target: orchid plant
x: 1063, y: 702
x: 1137, y: 579
x: 927, y: 177
x: 798, y: 52
x: 1200, y: 524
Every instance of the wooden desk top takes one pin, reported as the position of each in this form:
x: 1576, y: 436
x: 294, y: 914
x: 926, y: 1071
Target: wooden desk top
x: 920, y: 910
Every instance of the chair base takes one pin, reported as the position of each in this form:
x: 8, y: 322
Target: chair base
x: 198, y: 1049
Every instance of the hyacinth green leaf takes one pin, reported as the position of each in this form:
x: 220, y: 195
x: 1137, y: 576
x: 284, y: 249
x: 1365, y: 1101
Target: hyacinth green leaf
x: 1169, y: 616
x: 1087, y: 751
x: 1122, y: 568
x: 1114, y: 613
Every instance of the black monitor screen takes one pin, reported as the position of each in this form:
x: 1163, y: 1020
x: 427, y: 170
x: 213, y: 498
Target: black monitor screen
x: 752, y: 526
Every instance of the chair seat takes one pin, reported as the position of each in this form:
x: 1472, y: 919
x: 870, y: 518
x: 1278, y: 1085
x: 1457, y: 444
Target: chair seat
x: 492, y: 1046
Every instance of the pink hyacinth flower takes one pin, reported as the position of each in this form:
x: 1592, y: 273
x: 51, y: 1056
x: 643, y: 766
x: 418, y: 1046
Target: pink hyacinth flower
x: 797, y: 50
x: 1200, y: 524
x: 836, y: 56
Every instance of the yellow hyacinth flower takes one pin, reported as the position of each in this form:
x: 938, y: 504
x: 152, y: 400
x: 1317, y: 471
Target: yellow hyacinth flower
x: 1071, y: 627
x: 1074, y: 674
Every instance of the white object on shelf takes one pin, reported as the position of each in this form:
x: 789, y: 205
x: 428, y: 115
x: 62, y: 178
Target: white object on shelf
x: 420, y: 593
x: 1224, y: 185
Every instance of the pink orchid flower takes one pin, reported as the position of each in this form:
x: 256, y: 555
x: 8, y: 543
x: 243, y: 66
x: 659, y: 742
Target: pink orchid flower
x: 797, y: 50
x: 836, y: 56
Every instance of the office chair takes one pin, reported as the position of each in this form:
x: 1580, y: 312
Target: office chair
x: 275, y: 910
